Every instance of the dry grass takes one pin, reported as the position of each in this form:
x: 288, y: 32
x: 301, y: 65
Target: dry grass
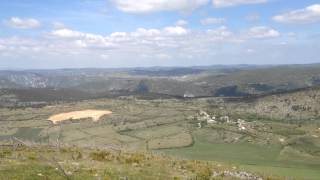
x: 95, y: 115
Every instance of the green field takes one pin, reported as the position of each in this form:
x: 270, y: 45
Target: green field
x: 257, y: 158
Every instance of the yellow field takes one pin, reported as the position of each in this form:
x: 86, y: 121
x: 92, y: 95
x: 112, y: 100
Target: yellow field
x: 95, y: 115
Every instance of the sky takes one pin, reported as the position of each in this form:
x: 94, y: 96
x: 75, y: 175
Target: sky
x: 37, y: 34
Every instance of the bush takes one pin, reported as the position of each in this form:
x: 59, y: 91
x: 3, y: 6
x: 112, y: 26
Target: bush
x: 135, y: 158
x: 101, y: 156
x: 4, y: 153
x: 204, y: 173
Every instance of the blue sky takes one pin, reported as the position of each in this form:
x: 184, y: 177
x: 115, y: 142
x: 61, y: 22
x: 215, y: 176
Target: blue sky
x: 130, y: 33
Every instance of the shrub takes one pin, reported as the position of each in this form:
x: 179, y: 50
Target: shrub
x: 203, y: 173
x: 5, y: 153
x: 135, y: 158
x: 101, y: 156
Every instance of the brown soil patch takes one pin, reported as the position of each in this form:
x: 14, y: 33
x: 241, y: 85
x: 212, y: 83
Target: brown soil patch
x: 95, y: 115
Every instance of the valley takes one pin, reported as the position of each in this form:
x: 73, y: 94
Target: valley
x: 274, y: 134
x: 248, y: 134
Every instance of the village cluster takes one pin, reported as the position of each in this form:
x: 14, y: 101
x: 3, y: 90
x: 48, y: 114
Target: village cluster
x: 204, y: 118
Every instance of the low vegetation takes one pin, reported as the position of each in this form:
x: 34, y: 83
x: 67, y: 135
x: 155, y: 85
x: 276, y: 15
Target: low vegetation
x: 40, y: 162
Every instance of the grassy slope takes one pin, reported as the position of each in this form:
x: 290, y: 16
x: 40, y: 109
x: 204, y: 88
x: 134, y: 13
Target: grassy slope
x: 74, y: 163
x: 258, y: 158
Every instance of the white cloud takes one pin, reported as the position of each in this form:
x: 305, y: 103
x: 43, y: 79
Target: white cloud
x: 148, y: 6
x: 176, y: 31
x: 167, y: 38
x: 141, y: 37
x: 170, y: 44
x: 262, y: 32
x: 310, y: 14
x: 141, y: 32
x: 81, y: 43
x: 20, y: 23
x: 181, y: 22
x: 68, y: 33
x: 212, y: 20
x: 221, y: 34
x: 83, y: 39
x: 58, y: 25
x: 228, y: 3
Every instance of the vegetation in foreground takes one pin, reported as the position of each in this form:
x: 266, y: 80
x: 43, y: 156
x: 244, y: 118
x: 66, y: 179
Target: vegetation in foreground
x: 43, y: 162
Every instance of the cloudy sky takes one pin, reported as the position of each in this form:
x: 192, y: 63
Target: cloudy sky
x: 131, y: 33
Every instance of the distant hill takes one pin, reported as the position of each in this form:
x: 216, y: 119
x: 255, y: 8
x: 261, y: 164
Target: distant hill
x: 226, y: 81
